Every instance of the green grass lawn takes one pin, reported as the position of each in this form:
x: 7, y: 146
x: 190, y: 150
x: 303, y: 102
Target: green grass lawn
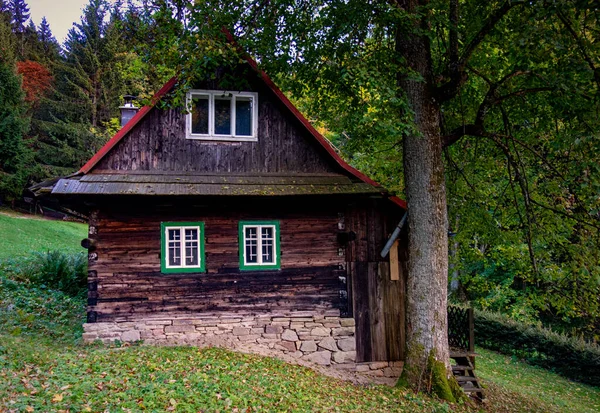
x: 182, y: 379
x: 535, y: 383
x: 45, y: 368
x: 22, y: 234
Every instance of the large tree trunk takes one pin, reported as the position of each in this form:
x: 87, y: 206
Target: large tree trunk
x: 427, y: 334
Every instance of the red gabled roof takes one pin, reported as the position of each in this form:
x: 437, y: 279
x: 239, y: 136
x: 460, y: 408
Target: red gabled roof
x: 125, y: 129
x: 273, y: 87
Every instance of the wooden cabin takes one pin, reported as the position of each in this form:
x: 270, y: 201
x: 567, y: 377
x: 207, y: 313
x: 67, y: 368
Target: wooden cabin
x: 238, y: 224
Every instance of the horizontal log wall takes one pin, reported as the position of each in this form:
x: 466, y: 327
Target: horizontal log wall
x: 125, y: 278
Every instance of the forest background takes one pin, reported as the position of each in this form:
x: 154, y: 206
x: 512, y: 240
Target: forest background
x: 523, y: 201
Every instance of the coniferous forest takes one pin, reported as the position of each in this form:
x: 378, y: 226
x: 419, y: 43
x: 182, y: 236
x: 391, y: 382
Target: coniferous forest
x: 519, y: 117
x: 59, y: 103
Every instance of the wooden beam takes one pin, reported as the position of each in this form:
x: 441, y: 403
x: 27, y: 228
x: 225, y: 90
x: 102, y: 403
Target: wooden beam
x: 394, y: 262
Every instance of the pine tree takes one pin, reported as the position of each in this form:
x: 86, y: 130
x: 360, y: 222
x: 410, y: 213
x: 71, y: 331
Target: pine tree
x: 20, y: 15
x: 7, y: 40
x: 14, y: 153
x: 49, y: 45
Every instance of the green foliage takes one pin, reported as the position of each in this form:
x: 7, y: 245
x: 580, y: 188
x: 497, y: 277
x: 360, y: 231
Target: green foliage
x: 524, y: 194
x: 569, y: 356
x: 38, y: 312
x: 7, y: 40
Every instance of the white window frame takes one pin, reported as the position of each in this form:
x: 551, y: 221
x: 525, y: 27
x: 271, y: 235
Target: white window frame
x: 182, y: 241
x: 211, y: 135
x: 259, y: 244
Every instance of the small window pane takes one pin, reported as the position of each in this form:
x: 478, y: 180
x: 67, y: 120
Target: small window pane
x: 267, y: 232
x: 191, y: 234
x: 200, y: 115
x: 222, y: 116
x: 174, y: 254
x: 251, y: 232
x: 251, y: 251
x: 191, y: 253
x: 267, y: 251
x: 174, y: 235
x: 243, y: 116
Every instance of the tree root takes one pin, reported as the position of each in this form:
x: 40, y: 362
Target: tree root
x: 433, y: 378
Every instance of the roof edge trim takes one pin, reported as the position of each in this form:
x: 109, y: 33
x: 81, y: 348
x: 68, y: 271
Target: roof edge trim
x: 128, y: 126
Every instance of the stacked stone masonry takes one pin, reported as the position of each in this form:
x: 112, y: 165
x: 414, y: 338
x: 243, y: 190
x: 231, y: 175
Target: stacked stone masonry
x: 317, y: 339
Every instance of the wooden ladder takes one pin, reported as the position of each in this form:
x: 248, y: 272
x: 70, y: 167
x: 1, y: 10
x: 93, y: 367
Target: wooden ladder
x: 464, y: 371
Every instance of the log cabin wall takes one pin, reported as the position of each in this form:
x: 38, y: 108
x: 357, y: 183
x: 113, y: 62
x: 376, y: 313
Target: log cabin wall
x: 378, y: 303
x: 125, y: 281
x: 159, y: 144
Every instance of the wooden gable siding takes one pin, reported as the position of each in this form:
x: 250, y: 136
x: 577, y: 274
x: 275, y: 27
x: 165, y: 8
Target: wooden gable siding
x: 126, y: 282
x: 158, y: 144
x: 378, y: 303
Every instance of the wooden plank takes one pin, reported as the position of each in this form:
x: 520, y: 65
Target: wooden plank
x: 378, y: 272
x: 394, y: 262
x: 361, y: 311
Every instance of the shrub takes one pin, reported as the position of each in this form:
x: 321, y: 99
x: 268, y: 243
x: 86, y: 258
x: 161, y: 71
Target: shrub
x: 572, y: 357
x: 60, y: 271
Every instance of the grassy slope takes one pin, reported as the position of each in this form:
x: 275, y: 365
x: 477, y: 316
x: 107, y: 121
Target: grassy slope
x: 43, y: 368
x: 182, y: 379
x: 21, y: 235
x: 535, y: 383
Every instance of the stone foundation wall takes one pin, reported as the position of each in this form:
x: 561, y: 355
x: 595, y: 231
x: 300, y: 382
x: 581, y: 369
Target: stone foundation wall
x: 317, y: 339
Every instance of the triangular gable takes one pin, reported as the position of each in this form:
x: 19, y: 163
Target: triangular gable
x: 170, y: 85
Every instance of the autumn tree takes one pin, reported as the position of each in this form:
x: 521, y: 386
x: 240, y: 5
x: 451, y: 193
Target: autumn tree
x: 37, y: 80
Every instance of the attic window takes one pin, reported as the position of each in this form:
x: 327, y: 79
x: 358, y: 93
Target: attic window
x: 217, y: 115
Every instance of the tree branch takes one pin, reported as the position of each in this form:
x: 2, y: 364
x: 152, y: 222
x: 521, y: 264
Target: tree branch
x: 581, y: 47
x: 453, y: 38
x: 521, y: 93
x: 566, y: 214
x: 462, y: 131
x: 456, y: 69
x: 490, y: 99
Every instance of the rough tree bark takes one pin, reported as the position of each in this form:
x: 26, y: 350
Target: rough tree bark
x: 427, y: 361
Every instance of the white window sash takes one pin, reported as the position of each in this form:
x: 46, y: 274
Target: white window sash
x: 211, y: 94
x: 259, y: 245
x: 182, y: 247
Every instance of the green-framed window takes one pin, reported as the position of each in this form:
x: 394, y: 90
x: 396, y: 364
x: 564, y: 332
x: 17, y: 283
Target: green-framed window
x: 259, y: 245
x: 182, y: 247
